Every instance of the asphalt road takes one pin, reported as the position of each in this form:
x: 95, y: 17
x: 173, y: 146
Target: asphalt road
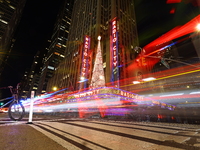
x: 47, y: 133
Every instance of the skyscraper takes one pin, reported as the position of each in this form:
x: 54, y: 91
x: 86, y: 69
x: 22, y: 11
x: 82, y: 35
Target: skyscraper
x: 57, y: 46
x: 114, y: 21
x: 10, y: 15
x: 30, y: 80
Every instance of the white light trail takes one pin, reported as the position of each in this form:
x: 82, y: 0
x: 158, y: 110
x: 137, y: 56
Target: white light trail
x: 195, y: 92
x: 172, y: 95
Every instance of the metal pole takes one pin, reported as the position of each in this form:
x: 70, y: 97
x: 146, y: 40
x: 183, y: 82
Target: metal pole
x: 173, y: 60
x: 31, y: 108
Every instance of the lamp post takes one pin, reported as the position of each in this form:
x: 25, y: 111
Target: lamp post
x: 195, y: 66
x: 163, y: 59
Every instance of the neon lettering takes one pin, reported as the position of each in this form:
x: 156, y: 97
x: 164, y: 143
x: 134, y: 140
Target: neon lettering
x: 114, y: 42
x: 85, y: 55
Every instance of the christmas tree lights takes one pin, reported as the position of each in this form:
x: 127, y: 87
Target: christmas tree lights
x: 98, y: 78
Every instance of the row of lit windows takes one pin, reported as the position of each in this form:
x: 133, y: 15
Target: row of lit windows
x: 83, y: 25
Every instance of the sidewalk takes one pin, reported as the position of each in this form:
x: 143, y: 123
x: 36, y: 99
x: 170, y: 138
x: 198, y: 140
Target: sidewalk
x: 24, y: 137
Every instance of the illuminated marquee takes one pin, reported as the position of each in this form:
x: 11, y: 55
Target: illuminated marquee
x: 86, y: 48
x: 164, y: 105
x: 106, y: 90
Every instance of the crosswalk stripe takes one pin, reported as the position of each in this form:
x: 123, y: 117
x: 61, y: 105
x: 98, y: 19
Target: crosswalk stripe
x: 60, y: 141
x: 74, y: 137
x: 80, y: 134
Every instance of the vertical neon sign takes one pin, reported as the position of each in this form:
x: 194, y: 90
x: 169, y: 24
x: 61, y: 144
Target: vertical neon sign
x: 114, y: 50
x: 114, y: 42
x: 86, y: 48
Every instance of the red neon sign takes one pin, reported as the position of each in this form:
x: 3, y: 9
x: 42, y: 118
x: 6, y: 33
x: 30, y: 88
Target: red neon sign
x: 114, y: 41
x: 85, y: 56
x: 173, y: 1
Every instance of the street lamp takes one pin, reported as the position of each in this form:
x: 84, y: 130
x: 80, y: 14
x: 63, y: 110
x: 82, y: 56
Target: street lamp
x: 55, y: 88
x: 99, y: 38
x: 198, y: 27
x: 82, y: 78
x: 139, y: 50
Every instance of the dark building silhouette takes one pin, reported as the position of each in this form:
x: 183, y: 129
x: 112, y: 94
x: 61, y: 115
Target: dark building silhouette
x: 56, y: 50
x: 10, y: 15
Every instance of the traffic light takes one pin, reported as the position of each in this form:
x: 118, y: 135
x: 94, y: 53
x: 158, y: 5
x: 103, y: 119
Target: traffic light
x: 144, y: 61
x: 141, y: 61
x: 1, y: 103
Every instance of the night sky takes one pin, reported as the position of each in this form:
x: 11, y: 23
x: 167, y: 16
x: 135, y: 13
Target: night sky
x: 34, y: 30
x: 156, y: 17
x: 153, y: 18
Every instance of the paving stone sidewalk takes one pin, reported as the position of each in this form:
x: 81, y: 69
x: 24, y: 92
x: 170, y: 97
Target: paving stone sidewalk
x: 24, y: 137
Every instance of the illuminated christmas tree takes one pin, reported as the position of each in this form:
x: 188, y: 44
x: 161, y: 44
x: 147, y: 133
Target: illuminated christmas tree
x: 98, y: 78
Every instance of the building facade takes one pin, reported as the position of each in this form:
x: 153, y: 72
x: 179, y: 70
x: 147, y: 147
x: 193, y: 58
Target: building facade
x: 57, y: 46
x: 31, y: 78
x: 10, y: 15
x: 115, y: 22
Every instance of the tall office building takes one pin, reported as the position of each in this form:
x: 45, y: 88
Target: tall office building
x: 10, y: 15
x: 115, y: 22
x: 57, y: 46
x: 30, y: 80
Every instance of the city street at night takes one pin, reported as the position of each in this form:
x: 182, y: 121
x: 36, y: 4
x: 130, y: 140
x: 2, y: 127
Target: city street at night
x: 100, y: 74
x: 96, y: 134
